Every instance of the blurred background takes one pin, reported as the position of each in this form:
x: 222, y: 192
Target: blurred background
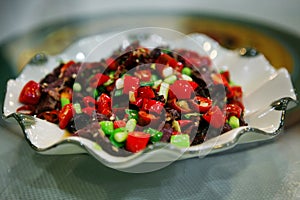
x: 269, y: 171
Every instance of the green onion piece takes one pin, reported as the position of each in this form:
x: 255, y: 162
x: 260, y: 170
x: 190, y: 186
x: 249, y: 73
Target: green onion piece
x: 107, y: 127
x: 155, y: 134
x: 96, y: 94
x: 77, y: 108
x: 150, y: 83
x: 77, y: 87
x: 64, y: 101
x: 120, y: 136
x: 164, y: 89
x: 234, y: 122
x: 130, y: 125
x: 132, y: 114
x: 112, y: 75
x: 189, y: 115
x: 187, y: 71
x: 107, y: 83
x: 156, y: 84
x: 154, y: 77
x: 181, y: 140
x: 170, y: 79
x: 118, y: 92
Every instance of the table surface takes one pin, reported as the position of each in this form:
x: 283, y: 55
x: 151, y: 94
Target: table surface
x: 268, y: 171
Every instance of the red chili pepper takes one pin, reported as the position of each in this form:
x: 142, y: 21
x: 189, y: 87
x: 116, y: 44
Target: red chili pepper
x: 30, y: 93
x: 26, y: 109
x: 193, y: 84
x: 89, y: 110
x: 201, y: 104
x: 181, y: 106
x: 50, y: 116
x: 144, y: 75
x: 104, y: 104
x: 145, y: 92
x: 138, y: 102
x: 168, y: 60
x: 119, y: 124
x: 66, y: 66
x: 176, y: 133
x: 152, y: 105
x: 89, y: 101
x: 131, y: 83
x: 67, y: 93
x: 219, y: 79
x: 98, y: 80
x: 233, y: 110
x: 226, y: 75
x: 111, y: 63
x: 181, y: 89
x: 215, y: 117
x: 184, y: 122
x: 145, y: 118
x: 137, y: 141
x: 65, y: 115
x: 237, y: 92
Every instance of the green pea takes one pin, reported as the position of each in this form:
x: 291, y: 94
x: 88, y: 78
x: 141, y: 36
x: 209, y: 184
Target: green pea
x: 182, y: 140
x: 187, y: 71
x: 77, y: 87
x: 234, y: 122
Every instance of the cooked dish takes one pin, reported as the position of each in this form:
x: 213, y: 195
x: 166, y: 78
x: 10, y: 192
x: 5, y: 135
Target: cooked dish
x: 137, y: 97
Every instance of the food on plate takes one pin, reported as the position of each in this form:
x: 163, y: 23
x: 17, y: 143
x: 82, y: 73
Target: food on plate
x: 138, y: 96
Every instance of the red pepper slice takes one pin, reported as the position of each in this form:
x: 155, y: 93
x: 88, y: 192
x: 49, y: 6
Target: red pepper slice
x: 152, y: 105
x: 65, y: 115
x: 181, y: 89
x: 98, y: 80
x: 50, y: 116
x: 131, y: 83
x: 89, y: 110
x: 181, y: 107
x: 26, y: 109
x: 67, y: 93
x: 201, y: 104
x: 89, y: 101
x: 111, y: 63
x: 145, y: 118
x: 104, y: 104
x: 237, y: 92
x: 66, y: 66
x: 30, y: 93
x: 145, y: 92
x: 184, y: 122
x: 215, y: 117
x: 168, y: 60
x: 119, y: 124
x: 226, y: 75
x: 137, y: 141
x: 233, y: 110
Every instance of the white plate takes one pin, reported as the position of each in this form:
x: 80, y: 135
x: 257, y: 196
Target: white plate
x: 268, y: 93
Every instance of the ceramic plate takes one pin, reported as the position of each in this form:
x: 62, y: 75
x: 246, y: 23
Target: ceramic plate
x: 268, y: 93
